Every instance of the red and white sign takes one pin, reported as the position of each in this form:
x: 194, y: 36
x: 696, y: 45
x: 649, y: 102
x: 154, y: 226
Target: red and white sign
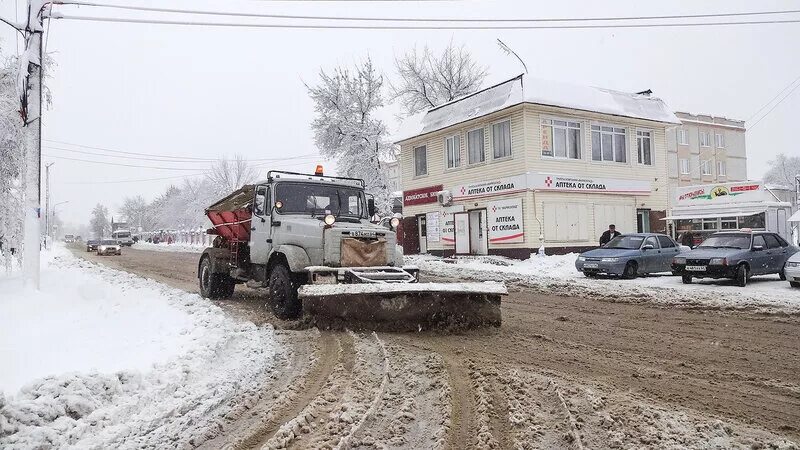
x: 490, y: 188
x: 739, y: 192
x: 421, y: 196
x: 586, y: 185
x: 506, y: 221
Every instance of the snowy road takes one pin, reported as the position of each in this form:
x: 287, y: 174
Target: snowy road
x: 564, y: 371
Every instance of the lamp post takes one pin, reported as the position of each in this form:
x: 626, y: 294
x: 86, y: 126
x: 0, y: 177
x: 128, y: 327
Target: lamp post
x: 54, y: 215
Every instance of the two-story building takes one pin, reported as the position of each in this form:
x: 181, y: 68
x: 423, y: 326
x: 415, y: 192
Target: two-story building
x: 530, y: 163
x: 706, y: 149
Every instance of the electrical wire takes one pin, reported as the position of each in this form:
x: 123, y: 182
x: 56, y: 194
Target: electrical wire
x: 413, y: 19
x: 140, y: 180
x: 139, y: 158
x: 412, y: 27
x: 12, y: 25
x: 773, y: 107
x: 118, y: 164
x: 773, y: 98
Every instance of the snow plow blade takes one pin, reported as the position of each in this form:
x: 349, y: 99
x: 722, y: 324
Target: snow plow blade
x: 402, y: 306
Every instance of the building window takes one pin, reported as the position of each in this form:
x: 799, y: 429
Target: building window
x: 728, y: 223
x: 710, y: 224
x: 420, y: 161
x: 683, y: 137
x: 561, y: 139
x: 609, y: 144
x: 704, y: 139
x: 644, y: 146
x: 452, y: 147
x: 721, y: 170
x: 475, y: 146
x: 684, y: 166
x: 501, y: 139
x: 720, y: 140
x: 756, y: 221
x: 705, y: 167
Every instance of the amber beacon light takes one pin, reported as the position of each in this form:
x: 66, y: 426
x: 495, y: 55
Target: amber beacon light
x: 318, y: 172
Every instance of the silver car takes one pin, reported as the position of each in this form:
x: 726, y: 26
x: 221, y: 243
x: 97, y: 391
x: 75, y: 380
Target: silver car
x: 109, y: 247
x: 630, y: 255
x: 792, y: 270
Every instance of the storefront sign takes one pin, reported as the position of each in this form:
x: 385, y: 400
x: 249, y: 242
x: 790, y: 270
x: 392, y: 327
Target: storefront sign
x: 449, y: 224
x: 497, y: 186
x: 506, y: 221
x: 432, y: 226
x: 587, y: 185
x: 421, y: 196
x: 742, y: 192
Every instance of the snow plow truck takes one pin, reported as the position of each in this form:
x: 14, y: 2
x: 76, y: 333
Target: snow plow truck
x: 309, y: 241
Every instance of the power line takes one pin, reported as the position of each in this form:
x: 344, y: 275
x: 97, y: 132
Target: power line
x: 137, y: 180
x: 118, y: 164
x: 773, y: 98
x: 420, y: 19
x: 412, y: 27
x: 159, y: 159
x: 774, y: 106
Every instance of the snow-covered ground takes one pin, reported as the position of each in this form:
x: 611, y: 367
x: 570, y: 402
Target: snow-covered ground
x: 100, y: 358
x: 175, y: 247
x: 557, y: 274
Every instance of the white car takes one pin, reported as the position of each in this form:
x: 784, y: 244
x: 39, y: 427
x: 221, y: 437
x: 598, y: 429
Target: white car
x: 109, y: 247
x: 792, y: 270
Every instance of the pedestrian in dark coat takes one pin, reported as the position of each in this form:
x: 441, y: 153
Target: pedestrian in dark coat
x: 608, y: 235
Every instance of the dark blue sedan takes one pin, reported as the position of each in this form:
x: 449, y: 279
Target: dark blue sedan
x: 630, y: 255
x: 737, y: 255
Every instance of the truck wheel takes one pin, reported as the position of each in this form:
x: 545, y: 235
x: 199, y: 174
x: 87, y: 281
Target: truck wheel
x: 214, y: 285
x: 741, y: 276
x: 283, y: 293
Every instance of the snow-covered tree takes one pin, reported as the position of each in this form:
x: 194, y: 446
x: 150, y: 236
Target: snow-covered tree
x: 134, y: 210
x: 228, y: 175
x: 428, y: 80
x: 783, y: 170
x: 99, y: 223
x: 346, y: 129
x: 12, y: 158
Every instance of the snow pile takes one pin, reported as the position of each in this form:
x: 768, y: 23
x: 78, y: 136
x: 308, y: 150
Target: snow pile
x: 556, y: 274
x: 175, y: 247
x: 104, y: 359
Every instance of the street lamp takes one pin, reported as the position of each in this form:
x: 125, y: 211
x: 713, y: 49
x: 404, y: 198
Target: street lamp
x: 49, y: 232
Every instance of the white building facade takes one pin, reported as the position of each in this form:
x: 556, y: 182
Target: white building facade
x: 531, y: 163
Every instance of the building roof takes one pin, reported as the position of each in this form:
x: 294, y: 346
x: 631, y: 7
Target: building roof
x: 708, y: 119
x: 527, y: 89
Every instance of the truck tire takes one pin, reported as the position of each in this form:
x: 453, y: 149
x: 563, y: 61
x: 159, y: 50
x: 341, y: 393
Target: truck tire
x: 214, y: 285
x: 283, y: 293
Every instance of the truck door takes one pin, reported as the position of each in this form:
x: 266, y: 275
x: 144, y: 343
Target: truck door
x: 260, y: 227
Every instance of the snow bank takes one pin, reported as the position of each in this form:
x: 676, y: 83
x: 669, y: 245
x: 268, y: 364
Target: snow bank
x: 103, y: 359
x: 164, y: 247
x: 557, y: 275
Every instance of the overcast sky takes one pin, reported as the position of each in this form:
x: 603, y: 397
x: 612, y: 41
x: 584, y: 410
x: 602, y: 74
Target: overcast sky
x: 207, y: 91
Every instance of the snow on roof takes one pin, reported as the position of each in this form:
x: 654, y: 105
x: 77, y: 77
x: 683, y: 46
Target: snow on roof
x: 527, y: 89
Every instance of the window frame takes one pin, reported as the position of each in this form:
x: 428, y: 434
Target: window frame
x: 688, y: 166
x: 552, y: 126
x: 722, y: 169
x: 612, y: 133
x: 458, y: 150
x: 707, y: 139
x: 719, y: 140
x: 483, y: 146
x: 414, y: 151
x: 706, y: 163
x: 650, y: 137
x: 683, y: 136
x: 510, y: 139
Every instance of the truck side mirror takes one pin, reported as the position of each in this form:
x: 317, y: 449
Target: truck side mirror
x: 371, y: 206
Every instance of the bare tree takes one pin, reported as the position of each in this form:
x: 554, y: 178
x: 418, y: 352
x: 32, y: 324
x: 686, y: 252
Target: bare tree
x: 428, y: 80
x: 99, y: 222
x: 345, y: 128
x: 227, y: 175
x: 783, y: 170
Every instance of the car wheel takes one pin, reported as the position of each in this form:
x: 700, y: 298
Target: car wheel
x: 741, y: 275
x: 687, y: 279
x: 283, y: 293
x: 782, y: 273
x: 794, y: 284
x: 589, y: 274
x: 630, y: 270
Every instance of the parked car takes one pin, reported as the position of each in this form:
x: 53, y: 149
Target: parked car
x: 737, y: 255
x: 630, y: 255
x: 792, y: 270
x: 69, y: 239
x: 109, y: 247
x: 91, y: 245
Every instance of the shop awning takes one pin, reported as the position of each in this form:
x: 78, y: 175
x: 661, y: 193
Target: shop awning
x: 795, y: 217
x: 706, y: 214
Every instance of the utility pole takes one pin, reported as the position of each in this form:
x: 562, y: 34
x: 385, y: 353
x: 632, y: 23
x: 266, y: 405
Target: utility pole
x: 31, y: 111
x: 47, y: 237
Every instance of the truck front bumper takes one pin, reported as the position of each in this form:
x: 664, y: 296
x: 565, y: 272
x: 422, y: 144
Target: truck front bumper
x: 352, y: 275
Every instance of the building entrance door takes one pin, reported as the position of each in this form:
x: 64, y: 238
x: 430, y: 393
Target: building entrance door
x: 478, y: 236
x: 422, y: 230
x: 461, y: 225
x: 642, y: 220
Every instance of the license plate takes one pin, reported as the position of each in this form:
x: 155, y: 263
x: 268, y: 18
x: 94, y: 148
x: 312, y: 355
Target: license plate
x: 696, y: 268
x: 362, y: 234
x: 591, y: 265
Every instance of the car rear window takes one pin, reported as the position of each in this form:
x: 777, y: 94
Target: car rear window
x: 772, y: 241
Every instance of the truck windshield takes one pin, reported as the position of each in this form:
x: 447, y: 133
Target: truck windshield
x: 320, y: 199
x: 122, y: 235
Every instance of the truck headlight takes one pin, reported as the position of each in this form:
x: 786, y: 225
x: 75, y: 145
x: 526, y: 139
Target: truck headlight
x: 395, y: 222
x: 330, y: 219
x: 679, y: 260
x: 718, y: 262
x: 611, y: 260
